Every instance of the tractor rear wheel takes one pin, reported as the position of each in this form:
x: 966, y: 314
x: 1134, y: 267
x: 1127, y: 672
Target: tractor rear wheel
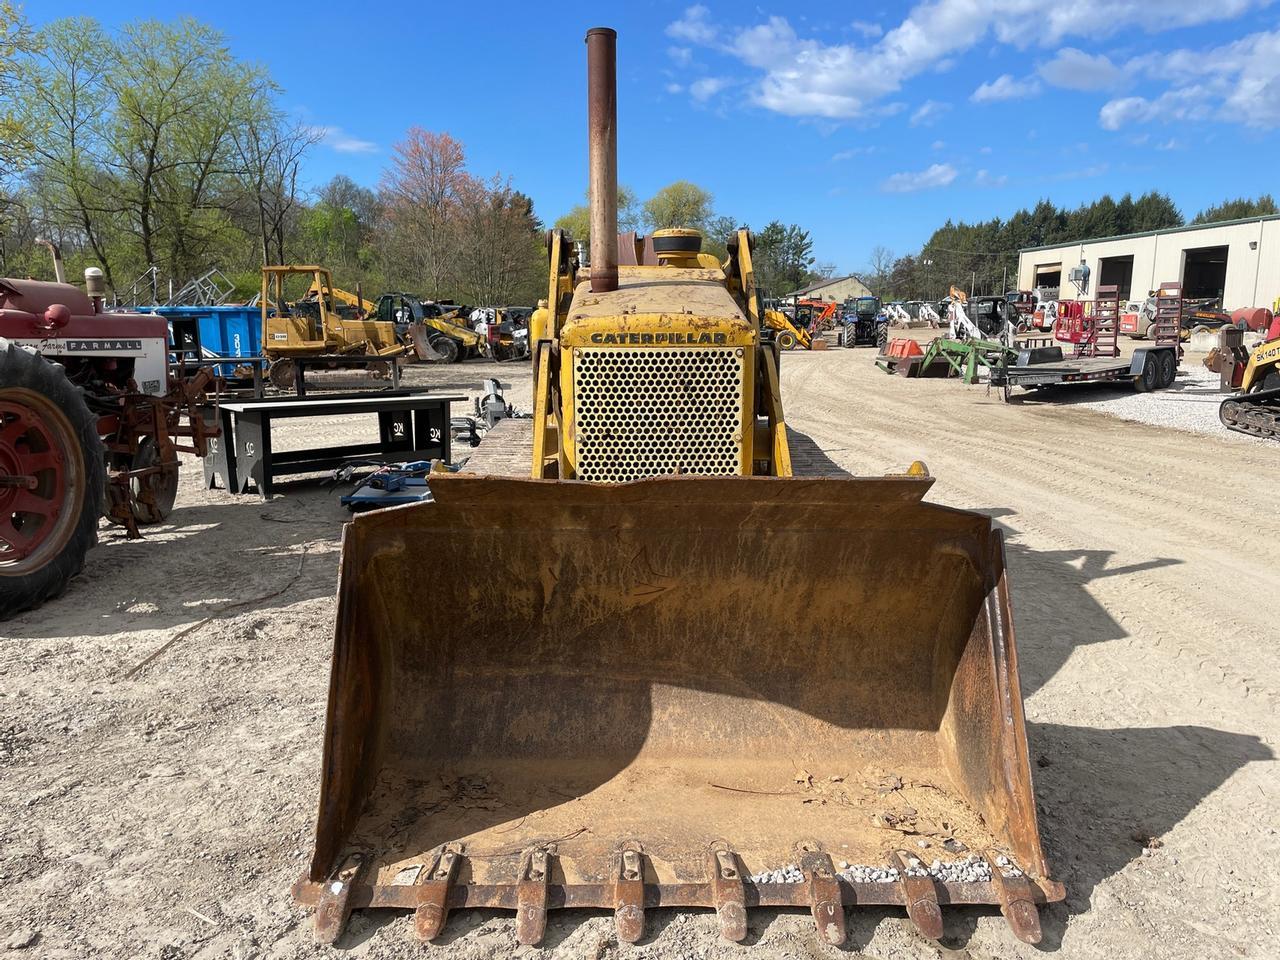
x: 52, y: 480
x: 787, y: 340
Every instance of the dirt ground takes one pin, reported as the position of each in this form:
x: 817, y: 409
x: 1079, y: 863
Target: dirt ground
x: 165, y: 813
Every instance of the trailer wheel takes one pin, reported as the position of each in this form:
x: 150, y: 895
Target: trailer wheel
x: 51, y: 451
x: 1149, y: 379
x: 1168, y: 369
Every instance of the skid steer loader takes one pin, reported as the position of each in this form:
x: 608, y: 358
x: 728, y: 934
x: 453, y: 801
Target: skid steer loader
x: 662, y: 709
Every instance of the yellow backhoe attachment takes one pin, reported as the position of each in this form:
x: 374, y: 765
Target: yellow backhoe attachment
x: 641, y: 695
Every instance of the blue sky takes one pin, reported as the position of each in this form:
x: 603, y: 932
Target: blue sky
x: 865, y: 123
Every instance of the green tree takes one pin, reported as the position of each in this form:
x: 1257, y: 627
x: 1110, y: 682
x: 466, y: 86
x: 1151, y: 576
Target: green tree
x: 1239, y: 209
x: 783, y: 258
x: 178, y: 96
x: 61, y: 99
x: 1155, y: 211
x: 680, y: 204
x: 15, y: 44
x: 577, y: 222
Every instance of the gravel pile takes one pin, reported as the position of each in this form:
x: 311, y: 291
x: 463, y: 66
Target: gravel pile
x: 789, y: 874
x: 1190, y: 404
x: 971, y: 870
x: 859, y: 873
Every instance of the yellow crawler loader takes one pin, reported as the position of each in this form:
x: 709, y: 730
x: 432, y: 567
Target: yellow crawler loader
x: 661, y: 708
x: 313, y: 326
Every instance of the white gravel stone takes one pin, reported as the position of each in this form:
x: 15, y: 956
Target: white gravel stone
x: 1190, y: 404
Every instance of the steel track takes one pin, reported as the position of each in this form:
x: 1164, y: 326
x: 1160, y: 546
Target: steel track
x: 1257, y: 414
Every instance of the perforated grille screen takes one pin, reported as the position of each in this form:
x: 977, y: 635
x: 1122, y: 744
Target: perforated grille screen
x: 662, y: 410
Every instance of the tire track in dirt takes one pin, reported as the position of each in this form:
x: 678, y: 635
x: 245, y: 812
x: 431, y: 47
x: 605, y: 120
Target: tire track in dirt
x: 1069, y: 498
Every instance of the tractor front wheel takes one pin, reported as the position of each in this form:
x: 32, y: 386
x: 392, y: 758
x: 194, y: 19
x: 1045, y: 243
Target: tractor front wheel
x: 52, y: 480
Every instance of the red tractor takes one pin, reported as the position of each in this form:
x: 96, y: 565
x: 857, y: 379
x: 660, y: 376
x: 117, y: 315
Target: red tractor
x: 91, y: 425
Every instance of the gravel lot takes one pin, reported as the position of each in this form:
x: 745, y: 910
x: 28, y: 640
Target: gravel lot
x: 165, y: 814
x: 1191, y: 404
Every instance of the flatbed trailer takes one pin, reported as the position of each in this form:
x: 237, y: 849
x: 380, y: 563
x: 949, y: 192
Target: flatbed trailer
x: 1150, y: 368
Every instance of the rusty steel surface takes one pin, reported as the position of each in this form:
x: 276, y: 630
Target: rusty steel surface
x: 640, y: 693
x: 602, y: 157
x: 143, y: 436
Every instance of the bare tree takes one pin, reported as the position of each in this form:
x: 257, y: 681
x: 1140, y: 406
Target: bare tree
x: 423, y: 188
x: 880, y: 269
x: 269, y: 151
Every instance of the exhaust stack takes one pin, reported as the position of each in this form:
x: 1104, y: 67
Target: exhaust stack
x: 60, y: 275
x: 602, y: 135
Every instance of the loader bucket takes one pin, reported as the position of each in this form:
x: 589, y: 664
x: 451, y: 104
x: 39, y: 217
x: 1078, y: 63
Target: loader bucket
x: 690, y: 692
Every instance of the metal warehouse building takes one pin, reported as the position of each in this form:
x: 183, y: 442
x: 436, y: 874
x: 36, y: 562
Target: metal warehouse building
x: 1237, y: 260
x: 838, y: 289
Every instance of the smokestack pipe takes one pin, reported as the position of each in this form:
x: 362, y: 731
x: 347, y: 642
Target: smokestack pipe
x: 602, y: 162
x: 60, y: 275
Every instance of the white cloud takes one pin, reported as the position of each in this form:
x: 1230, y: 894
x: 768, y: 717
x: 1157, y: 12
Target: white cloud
x: 1074, y: 69
x: 674, y: 88
x: 1186, y: 103
x: 937, y: 175
x: 693, y: 26
x: 984, y: 178
x: 706, y: 88
x: 1173, y: 143
x: 336, y: 139
x: 681, y: 55
x: 928, y: 112
x: 851, y: 153
x: 938, y: 144
x: 1004, y: 87
x: 1238, y: 82
x: 867, y: 28
x: 801, y: 76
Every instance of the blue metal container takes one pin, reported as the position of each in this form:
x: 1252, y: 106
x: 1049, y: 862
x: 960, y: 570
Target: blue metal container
x: 225, y: 331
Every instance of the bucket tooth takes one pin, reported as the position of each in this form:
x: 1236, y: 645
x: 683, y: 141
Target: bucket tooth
x: 729, y: 894
x: 433, y: 894
x: 824, y: 897
x: 920, y: 896
x: 531, y: 896
x: 333, y: 906
x: 628, y: 895
x: 1017, y: 903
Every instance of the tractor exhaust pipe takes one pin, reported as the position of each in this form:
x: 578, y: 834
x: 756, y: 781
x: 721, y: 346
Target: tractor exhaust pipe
x: 602, y: 161
x: 59, y: 274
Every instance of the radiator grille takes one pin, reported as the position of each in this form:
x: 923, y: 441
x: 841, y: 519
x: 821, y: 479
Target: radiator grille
x: 663, y: 410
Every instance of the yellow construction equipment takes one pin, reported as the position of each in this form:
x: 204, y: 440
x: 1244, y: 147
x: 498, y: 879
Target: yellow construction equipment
x: 788, y: 335
x: 637, y: 694
x: 363, y: 307
x: 312, y: 326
